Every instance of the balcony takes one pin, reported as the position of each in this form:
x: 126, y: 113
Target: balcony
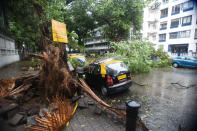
x: 186, y: 24
x: 162, y: 40
x: 163, y: 28
x: 188, y: 9
x: 164, y: 16
x: 95, y: 41
x: 98, y: 48
x: 174, y: 13
x: 174, y: 26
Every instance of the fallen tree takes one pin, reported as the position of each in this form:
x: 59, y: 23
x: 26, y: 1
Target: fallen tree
x: 56, y: 79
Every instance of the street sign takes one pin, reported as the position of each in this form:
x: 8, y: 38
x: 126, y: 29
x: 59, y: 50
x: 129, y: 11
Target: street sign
x: 59, y: 32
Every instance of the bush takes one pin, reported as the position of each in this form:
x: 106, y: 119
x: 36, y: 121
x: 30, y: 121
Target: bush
x: 138, y: 55
x: 35, y: 62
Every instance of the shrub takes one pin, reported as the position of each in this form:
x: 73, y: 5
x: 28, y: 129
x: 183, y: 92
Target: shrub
x: 138, y: 55
x: 35, y: 62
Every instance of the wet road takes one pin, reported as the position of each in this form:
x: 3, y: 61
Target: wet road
x: 15, y: 69
x: 165, y: 105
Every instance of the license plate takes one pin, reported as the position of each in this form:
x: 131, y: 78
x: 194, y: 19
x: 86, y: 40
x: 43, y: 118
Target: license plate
x: 121, y: 77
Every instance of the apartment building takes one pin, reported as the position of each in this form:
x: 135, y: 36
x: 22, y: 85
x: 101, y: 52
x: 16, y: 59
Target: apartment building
x: 172, y: 24
x: 97, y: 44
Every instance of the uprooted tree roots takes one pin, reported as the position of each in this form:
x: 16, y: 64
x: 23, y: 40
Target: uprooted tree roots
x: 55, y: 76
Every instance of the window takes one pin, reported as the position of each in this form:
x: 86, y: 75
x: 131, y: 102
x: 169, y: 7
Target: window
x: 162, y: 37
x: 187, y: 6
x: 185, y: 34
x: 165, y: 1
x: 175, y: 9
x: 154, y: 37
x: 163, y: 26
x: 195, y: 35
x: 186, y: 20
x: 174, y: 23
x: 164, y: 13
x: 174, y: 35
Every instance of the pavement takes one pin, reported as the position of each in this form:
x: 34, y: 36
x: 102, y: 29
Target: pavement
x: 87, y: 120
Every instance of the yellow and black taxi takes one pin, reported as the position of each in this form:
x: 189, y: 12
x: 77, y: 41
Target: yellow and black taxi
x: 78, y: 57
x: 109, y: 75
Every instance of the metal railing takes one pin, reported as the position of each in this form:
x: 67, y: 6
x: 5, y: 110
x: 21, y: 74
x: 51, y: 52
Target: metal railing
x: 97, y: 48
x: 95, y: 41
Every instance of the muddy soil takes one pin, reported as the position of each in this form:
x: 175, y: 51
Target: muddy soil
x: 168, y: 98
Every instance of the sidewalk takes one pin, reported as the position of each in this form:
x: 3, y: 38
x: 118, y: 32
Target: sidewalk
x: 90, y: 118
x: 87, y: 120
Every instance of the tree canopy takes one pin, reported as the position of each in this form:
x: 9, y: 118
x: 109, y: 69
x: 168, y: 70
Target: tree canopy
x: 119, y: 16
x: 27, y: 20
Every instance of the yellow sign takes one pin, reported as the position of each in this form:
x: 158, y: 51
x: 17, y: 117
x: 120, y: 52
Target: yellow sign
x: 59, y: 32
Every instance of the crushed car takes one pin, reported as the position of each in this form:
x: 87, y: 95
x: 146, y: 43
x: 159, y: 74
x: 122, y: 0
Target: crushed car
x: 109, y: 76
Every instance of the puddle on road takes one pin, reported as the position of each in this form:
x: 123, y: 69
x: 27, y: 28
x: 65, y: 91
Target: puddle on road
x: 163, y: 105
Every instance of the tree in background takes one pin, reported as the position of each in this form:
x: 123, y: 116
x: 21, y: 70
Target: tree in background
x: 81, y: 20
x: 115, y: 16
x: 22, y: 22
x: 18, y: 22
x: 118, y: 16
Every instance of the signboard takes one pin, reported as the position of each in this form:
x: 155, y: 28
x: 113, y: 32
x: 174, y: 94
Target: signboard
x: 59, y: 32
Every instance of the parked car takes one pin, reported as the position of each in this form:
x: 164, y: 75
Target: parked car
x: 77, y: 63
x: 185, y: 61
x: 109, y: 76
x: 79, y: 58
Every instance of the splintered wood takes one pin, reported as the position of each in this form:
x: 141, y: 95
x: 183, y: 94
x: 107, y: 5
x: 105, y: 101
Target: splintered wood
x: 6, y: 85
x: 55, y: 120
x: 95, y: 97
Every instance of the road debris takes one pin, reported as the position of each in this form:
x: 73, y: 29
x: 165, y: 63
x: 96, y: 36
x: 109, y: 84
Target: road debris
x: 180, y: 86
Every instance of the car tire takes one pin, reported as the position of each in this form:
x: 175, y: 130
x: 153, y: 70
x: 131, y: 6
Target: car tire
x: 104, y: 91
x: 175, y: 65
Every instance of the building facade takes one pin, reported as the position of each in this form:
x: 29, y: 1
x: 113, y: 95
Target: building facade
x: 172, y: 24
x: 97, y: 44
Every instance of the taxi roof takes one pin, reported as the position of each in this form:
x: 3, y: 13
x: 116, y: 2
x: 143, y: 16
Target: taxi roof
x: 105, y: 60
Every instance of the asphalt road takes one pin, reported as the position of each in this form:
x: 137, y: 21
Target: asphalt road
x: 168, y: 98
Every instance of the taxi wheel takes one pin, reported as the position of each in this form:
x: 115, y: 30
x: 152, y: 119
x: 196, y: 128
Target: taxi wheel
x: 104, y: 90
